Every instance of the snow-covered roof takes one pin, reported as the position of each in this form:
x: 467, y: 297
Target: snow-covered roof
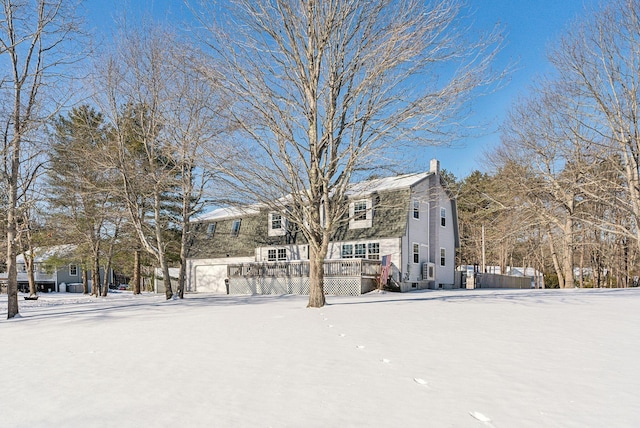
x: 45, y: 253
x: 361, y: 188
x: 387, y: 183
x: 228, y: 212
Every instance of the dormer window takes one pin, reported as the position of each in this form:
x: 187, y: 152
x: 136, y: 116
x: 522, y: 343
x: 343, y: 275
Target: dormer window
x: 211, y: 229
x: 360, y: 214
x: 359, y: 210
x: 235, y: 227
x: 276, y: 224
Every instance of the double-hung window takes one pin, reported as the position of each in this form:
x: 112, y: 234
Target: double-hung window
x: 443, y: 256
x: 374, y: 251
x: 416, y: 209
x: 443, y: 217
x: 360, y: 214
x: 361, y: 251
x: 347, y: 251
x: 73, y: 270
x: 416, y: 253
x: 211, y: 229
x: 277, y: 224
x: 235, y: 227
x: 360, y: 210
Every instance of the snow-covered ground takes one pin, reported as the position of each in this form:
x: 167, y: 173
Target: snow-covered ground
x: 463, y: 358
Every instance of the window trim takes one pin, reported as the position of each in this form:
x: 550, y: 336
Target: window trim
x: 73, y: 267
x: 416, y: 209
x: 416, y: 255
x: 443, y: 256
x: 360, y: 222
x: 279, y: 254
x: 280, y: 231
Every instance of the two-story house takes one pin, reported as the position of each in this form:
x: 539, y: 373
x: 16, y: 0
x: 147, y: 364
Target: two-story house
x: 410, y: 218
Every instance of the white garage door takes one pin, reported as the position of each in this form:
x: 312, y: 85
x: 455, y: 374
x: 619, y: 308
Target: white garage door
x: 210, y: 279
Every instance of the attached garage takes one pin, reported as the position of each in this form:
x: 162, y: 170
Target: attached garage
x: 210, y: 279
x: 208, y: 275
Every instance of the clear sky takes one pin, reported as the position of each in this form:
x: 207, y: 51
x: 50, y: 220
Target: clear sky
x: 531, y: 26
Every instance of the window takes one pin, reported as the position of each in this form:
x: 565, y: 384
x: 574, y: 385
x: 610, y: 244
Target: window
x: 416, y: 253
x: 374, y: 251
x: 361, y: 251
x: 276, y: 224
x: 443, y: 256
x: 211, y: 229
x: 347, y: 251
x: 276, y: 221
x: 360, y: 210
x: 279, y: 255
x: 73, y: 270
x: 416, y: 209
x: 443, y: 217
x: 360, y: 214
x: 235, y: 228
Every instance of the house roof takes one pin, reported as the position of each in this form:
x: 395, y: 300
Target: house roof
x: 42, y: 254
x: 228, y: 212
x: 360, y: 188
x: 387, y: 183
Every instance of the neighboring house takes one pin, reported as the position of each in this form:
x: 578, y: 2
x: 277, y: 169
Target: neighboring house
x: 50, y: 277
x: 411, y: 218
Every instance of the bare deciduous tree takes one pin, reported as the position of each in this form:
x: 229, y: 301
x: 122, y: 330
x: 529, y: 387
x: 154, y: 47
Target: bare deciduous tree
x: 599, y: 59
x: 328, y: 89
x: 33, y: 38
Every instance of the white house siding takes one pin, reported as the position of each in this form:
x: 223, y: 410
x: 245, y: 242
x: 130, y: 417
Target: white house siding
x: 444, y: 237
x: 417, y: 233
x: 208, y: 275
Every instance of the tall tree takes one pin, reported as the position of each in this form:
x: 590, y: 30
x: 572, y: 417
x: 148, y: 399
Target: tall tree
x: 327, y: 89
x: 81, y: 191
x: 599, y: 60
x: 33, y: 38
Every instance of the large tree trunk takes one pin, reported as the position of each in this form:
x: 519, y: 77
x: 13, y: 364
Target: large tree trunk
x: 12, y: 271
x: 85, y: 281
x: 95, y: 275
x: 29, y: 260
x: 567, y: 262
x: 316, y: 278
x: 556, y: 263
x: 136, y: 272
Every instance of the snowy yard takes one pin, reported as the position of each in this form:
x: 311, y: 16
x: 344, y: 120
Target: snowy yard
x: 463, y: 358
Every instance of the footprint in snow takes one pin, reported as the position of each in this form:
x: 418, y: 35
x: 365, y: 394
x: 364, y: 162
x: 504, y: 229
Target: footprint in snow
x: 482, y: 418
x: 420, y: 381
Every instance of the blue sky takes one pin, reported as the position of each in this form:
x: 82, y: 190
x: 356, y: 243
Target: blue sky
x: 531, y: 26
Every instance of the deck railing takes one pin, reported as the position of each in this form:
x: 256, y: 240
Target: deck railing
x: 332, y: 268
